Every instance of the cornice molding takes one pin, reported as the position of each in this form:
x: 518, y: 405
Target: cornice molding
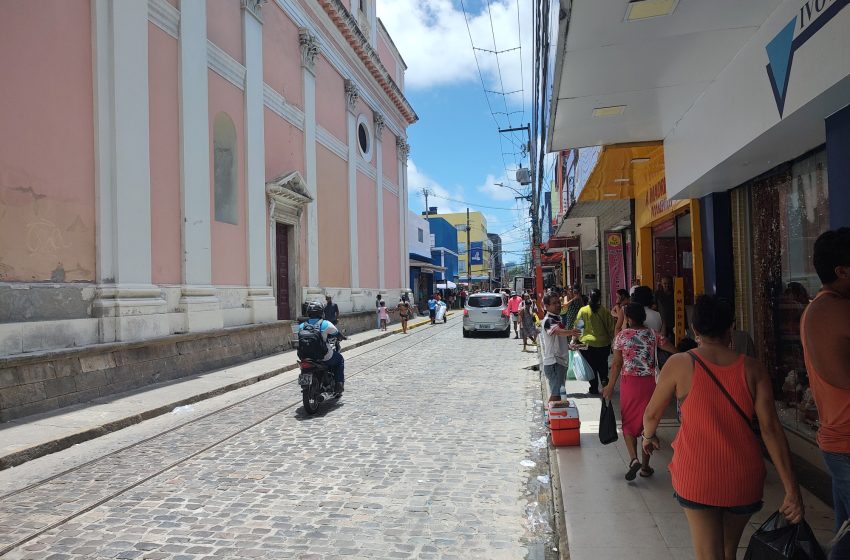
x: 278, y: 105
x: 390, y: 186
x: 379, y: 123
x: 225, y: 65
x: 367, y: 169
x: 254, y: 7
x: 402, y: 148
x: 331, y: 142
x: 352, y: 94
x: 309, y: 49
x: 165, y: 16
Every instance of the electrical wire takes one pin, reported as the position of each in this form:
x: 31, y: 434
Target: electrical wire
x: 473, y: 204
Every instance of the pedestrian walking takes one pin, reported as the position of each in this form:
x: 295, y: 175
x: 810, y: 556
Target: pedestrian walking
x: 623, y: 299
x: 432, y: 308
x: 597, y: 327
x: 526, y: 320
x: 378, y: 299
x: 666, y: 308
x: 331, y: 311
x: 403, y: 315
x: 635, y: 365
x: 571, y: 305
x: 717, y: 469
x: 383, y: 315
x: 554, y: 346
x: 825, y: 333
x: 644, y: 296
x: 514, y: 304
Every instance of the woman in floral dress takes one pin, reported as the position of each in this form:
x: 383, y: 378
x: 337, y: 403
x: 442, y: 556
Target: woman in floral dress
x: 635, y: 358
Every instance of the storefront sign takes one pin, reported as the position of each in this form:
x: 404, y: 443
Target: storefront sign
x: 476, y: 253
x: 616, y: 263
x: 679, y: 301
x: 813, y: 15
x: 656, y: 199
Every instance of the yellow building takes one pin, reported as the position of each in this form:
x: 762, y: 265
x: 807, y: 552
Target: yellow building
x: 478, y: 239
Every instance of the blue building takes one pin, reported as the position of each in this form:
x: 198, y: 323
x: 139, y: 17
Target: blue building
x: 443, y: 248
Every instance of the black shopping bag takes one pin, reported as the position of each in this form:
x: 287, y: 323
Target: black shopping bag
x: 607, y: 423
x: 777, y: 539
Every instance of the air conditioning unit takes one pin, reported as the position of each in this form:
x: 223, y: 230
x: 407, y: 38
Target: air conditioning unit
x: 523, y: 176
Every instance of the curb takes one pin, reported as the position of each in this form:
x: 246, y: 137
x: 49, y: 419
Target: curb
x: 424, y: 321
x: 555, y: 479
x: 48, y: 447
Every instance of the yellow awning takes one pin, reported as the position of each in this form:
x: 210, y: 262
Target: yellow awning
x: 624, y: 171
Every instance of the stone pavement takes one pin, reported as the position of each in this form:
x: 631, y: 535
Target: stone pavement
x: 609, y: 518
x: 26, y: 438
x: 436, y: 451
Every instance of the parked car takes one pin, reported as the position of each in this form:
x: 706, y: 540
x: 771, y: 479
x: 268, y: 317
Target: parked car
x: 486, y: 312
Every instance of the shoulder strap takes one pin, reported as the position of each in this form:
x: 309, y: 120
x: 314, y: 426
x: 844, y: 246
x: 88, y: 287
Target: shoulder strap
x: 720, y: 386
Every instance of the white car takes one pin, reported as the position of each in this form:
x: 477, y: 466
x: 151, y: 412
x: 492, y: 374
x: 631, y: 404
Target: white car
x: 486, y: 312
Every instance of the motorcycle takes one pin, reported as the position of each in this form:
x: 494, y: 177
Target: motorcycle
x: 317, y: 381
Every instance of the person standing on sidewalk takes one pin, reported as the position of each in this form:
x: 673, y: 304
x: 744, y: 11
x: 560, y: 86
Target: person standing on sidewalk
x: 378, y: 309
x: 572, y: 304
x: 403, y: 315
x: 717, y: 469
x: 383, y: 315
x: 514, y: 304
x: 331, y: 311
x: 554, y: 346
x: 526, y: 320
x: 597, y: 327
x: 825, y: 333
x: 617, y: 311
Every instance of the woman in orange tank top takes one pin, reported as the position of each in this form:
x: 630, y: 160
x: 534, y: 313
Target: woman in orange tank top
x: 717, y: 468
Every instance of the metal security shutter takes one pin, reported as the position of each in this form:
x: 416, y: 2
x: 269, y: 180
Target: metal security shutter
x: 742, y: 258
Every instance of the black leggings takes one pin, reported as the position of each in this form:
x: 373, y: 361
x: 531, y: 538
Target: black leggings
x: 597, y: 358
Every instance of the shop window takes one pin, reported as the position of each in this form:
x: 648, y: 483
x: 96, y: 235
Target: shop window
x: 224, y: 170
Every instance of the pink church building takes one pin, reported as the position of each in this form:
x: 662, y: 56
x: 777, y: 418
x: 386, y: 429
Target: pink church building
x: 170, y: 167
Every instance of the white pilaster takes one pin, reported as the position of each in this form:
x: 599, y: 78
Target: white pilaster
x: 128, y: 306
x: 402, y: 151
x: 309, y: 50
x: 351, y: 97
x: 260, y: 298
x: 379, y: 190
x: 198, y: 300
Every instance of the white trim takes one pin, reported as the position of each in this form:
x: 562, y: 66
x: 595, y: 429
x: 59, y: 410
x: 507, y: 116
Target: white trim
x: 370, y: 139
x: 165, y: 16
x: 301, y: 19
x: 331, y: 142
x: 353, y: 245
x: 379, y: 196
x: 278, y: 105
x: 225, y: 65
x: 310, y: 134
x: 366, y: 169
x: 444, y: 249
x: 390, y: 186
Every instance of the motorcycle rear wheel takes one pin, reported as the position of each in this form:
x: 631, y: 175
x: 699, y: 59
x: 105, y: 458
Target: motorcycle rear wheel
x: 309, y: 396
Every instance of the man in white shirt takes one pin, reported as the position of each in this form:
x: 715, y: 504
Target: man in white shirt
x: 554, y: 343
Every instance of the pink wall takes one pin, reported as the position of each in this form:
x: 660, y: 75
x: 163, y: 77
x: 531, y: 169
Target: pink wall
x: 392, y: 257
x: 282, y: 55
x: 386, y: 56
x: 224, y: 26
x: 367, y: 231
x: 330, y: 100
x: 47, y: 190
x: 166, y: 266
x: 390, y: 161
x: 284, y: 146
x: 332, y: 187
x: 229, y: 242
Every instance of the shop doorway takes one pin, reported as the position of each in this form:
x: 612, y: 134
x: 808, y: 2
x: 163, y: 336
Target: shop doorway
x: 282, y: 238
x: 672, y: 253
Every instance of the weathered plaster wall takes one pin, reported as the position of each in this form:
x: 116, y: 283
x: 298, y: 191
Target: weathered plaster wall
x: 224, y: 26
x: 166, y: 212
x: 390, y: 159
x: 330, y: 100
x: 332, y: 186
x: 47, y: 192
x: 281, y: 55
x: 367, y: 231
x: 386, y: 56
x: 392, y: 246
x: 229, y: 241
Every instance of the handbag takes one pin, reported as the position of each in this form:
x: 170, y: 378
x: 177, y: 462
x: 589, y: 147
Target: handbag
x: 607, y: 423
x: 751, y: 422
x: 777, y: 539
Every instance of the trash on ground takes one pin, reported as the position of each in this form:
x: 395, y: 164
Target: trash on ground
x: 527, y: 463
x: 540, y: 442
x: 544, y: 478
x: 182, y: 409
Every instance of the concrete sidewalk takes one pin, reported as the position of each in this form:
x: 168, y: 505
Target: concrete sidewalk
x: 609, y: 518
x: 34, y: 436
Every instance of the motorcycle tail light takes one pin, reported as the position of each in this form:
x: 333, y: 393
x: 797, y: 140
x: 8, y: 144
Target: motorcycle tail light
x: 466, y: 312
x: 306, y: 365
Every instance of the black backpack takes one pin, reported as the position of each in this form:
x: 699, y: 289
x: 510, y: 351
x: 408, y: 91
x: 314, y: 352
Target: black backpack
x: 311, y: 344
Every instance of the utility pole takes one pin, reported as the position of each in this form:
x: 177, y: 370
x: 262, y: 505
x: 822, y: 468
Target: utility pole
x: 468, y: 254
x: 426, y: 192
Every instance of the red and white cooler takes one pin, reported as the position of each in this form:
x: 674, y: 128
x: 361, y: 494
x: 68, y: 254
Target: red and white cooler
x: 565, y: 423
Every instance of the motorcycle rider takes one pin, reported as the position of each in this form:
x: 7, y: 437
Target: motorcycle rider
x: 333, y: 359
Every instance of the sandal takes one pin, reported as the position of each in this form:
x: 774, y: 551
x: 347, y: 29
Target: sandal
x: 634, y: 467
x: 647, y: 472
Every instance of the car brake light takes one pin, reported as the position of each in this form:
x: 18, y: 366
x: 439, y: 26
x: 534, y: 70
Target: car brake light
x: 466, y: 312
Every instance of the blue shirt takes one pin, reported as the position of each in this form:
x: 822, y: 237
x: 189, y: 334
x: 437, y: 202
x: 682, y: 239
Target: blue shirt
x: 432, y: 304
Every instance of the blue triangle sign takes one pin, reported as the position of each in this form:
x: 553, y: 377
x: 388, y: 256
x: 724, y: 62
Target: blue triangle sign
x: 779, y: 55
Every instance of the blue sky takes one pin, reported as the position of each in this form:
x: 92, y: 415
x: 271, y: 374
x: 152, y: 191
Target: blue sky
x: 455, y: 146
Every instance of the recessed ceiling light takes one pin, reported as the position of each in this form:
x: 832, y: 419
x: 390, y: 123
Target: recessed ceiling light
x: 644, y: 9
x: 610, y: 194
x: 622, y: 180
x: 609, y: 111
x: 639, y: 160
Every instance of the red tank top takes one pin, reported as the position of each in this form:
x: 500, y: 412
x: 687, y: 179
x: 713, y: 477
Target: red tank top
x: 717, y: 460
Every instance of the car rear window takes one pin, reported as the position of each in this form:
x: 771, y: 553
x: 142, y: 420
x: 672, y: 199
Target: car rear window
x: 485, y: 301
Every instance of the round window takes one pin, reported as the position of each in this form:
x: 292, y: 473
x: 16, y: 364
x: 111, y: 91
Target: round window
x: 364, y: 138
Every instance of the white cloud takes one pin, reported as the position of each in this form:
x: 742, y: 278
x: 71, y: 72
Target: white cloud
x: 433, y: 39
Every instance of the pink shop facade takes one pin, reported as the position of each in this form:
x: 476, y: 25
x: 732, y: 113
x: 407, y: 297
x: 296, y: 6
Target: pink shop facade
x: 181, y: 166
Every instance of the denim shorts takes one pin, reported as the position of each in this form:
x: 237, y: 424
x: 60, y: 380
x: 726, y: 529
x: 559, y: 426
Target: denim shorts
x: 734, y: 510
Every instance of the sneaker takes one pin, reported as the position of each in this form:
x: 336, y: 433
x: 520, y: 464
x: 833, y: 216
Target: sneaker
x: 340, y: 388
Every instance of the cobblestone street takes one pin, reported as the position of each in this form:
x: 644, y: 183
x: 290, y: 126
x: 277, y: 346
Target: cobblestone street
x: 435, y: 451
